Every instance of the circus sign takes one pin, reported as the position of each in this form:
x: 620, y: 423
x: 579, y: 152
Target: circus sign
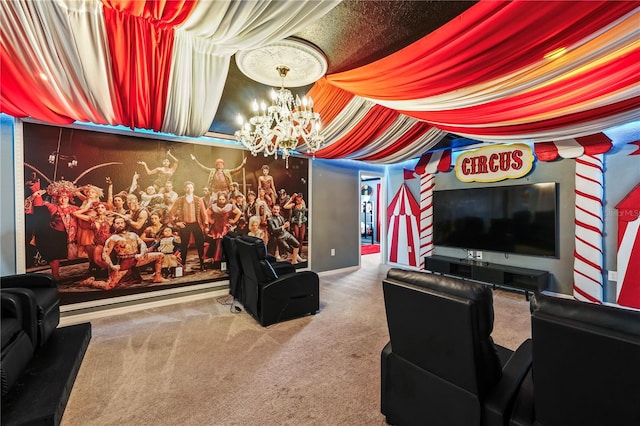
x: 494, y: 163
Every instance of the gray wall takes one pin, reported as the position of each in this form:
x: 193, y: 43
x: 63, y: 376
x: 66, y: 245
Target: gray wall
x: 622, y: 174
x: 335, y: 213
x: 561, y: 268
x: 7, y: 198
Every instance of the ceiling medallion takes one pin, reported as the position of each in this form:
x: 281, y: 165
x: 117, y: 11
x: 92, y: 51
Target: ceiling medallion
x: 306, y: 62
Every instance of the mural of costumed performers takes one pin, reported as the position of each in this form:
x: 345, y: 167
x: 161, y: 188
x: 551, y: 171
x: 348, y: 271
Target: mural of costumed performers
x: 56, y: 226
x: 169, y: 245
x: 138, y: 214
x: 124, y: 252
x: 222, y: 217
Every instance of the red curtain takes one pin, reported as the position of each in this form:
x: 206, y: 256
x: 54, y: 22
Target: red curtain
x: 141, y: 35
x: 553, y: 123
x: 583, y: 87
x: 16, y: 83
x: 489, y: 40
x: 414, y: 133
x: 329, y: 100
x: 375, y: 122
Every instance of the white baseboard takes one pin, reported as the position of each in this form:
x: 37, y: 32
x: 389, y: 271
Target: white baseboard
x: 338, y: 271
x: 86, y: 311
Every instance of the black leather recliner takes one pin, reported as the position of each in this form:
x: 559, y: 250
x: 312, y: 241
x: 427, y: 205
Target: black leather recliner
x: 441, y: 366
x: 234, y: 266
x: 586, y: 365
x: 18, y: 330
x: 230, y: 251
x: 42, y: 289
x: 38, y: 375
x: 271, y: 296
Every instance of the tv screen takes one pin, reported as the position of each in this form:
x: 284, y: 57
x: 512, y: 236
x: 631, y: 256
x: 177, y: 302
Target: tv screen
x: 517, y: 219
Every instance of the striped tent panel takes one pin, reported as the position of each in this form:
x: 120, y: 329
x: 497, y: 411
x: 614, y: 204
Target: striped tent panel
x: 403, y: 231
x: 628, y: 261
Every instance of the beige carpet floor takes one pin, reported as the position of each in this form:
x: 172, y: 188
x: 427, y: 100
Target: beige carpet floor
x: 198, y: 363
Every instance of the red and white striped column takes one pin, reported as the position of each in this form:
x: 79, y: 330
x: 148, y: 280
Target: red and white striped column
x: 588, y: 263
x: 427, y: 182
x: 427, y: 167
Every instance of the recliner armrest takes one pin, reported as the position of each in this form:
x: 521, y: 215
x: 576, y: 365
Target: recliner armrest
x: 31, y: 280
x: 499, y: 402
x: 523, y: 413
x: 302, y: 280
x: 45, y: 304
x: 24, y: 310
x: 384, y: 356
x: 283, y: 268
x: 300, y: 277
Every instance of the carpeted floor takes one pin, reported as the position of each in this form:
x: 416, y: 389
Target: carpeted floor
x: 369, y: 249
x: 198, y: 363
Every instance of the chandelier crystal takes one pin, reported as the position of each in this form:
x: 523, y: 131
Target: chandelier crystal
x: 282, y: 126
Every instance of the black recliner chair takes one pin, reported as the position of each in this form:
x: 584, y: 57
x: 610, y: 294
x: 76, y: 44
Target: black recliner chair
x: 270, y: 296
x: 586, y: 365
x: 18, y: 330
x: 230, y: 255
x: 39, y: 359
x: 441, y: 366
x: 42, y: 289
x: 234, y: 266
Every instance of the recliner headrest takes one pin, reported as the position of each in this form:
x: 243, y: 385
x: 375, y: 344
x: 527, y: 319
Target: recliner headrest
x: 450, y: 285
x: 480, y: 294
x: 258, y: 253
x: 611, y: 318
x: 261, y: 247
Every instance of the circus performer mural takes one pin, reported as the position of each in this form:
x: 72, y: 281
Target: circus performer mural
x: 101, y: 209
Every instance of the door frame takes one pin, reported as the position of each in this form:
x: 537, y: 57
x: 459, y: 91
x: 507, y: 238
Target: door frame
x: 382, y: 214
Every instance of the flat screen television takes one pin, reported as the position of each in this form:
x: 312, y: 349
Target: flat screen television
x: 520, y: 219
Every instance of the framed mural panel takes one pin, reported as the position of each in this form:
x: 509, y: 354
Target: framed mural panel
x: 115, y: 215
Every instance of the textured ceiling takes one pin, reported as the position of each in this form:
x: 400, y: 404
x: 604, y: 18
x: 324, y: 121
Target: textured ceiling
x: 354, y: 33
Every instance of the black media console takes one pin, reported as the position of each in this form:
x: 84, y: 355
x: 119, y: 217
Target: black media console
x: 528, y: 280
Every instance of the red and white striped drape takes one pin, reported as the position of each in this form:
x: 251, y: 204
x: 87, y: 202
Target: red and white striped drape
x: 502, y: 71
x: 554, y: 71
x: 158, y: 65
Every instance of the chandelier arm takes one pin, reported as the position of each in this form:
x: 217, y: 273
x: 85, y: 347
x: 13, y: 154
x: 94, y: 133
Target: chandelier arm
x: 280, y: 127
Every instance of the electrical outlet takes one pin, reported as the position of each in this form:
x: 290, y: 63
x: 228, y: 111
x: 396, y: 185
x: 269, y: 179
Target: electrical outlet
x: 223, y: 266
x: 478, y: 255
x: 613, y: 276
x: 469, y: 254
x: 333, y: 252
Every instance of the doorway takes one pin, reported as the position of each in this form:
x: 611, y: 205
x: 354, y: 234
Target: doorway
x: 370, y: 213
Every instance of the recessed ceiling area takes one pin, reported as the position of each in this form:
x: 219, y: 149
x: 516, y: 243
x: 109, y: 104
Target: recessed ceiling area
x: 354, y: 33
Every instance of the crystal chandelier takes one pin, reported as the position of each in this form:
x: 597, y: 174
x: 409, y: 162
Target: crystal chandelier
x: 282, y: 126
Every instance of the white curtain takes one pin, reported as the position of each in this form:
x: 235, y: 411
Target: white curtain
x: 205, y: 42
